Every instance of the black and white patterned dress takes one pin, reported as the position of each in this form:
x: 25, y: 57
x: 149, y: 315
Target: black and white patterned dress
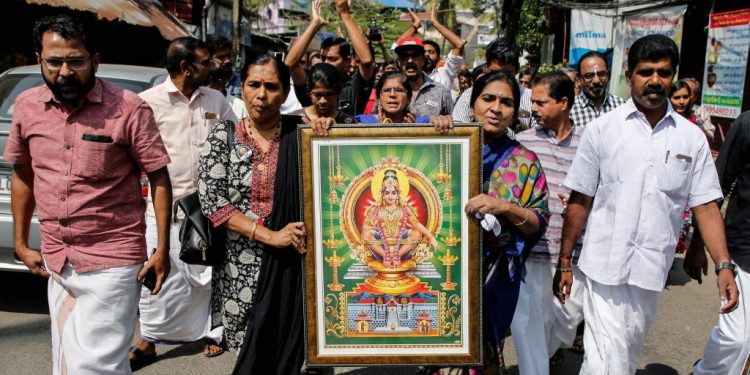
x: 226, y: 180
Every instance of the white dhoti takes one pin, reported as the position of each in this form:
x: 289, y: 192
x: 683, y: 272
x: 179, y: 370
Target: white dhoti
x: 728, y: 348
x: 93, y: 318
x: 535, y: 343
x: 617, y: 320
x: 181, y: 312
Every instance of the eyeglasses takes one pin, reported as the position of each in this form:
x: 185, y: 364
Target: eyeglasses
x: 54, y: 64
x: 602, y: 74
x: 397, y: 90
x: 321, y: 95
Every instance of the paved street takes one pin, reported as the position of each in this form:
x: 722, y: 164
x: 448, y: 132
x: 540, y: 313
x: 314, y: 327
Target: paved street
x: 687, y: 313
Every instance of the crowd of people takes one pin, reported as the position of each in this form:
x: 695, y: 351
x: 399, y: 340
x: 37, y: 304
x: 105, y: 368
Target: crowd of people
x: 561, y: 156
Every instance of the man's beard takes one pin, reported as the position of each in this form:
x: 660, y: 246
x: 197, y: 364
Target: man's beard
x: 429, y: 65
x: 81, y: 89
x: 596, y: 92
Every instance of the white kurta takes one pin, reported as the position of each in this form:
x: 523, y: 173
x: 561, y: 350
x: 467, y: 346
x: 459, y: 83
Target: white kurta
x: 728, y: 348
x: 540, y: 321
x: 93, y: 318
x: 181, y: 310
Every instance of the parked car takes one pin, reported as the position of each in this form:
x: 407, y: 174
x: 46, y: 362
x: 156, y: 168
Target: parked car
x: 12, y: 83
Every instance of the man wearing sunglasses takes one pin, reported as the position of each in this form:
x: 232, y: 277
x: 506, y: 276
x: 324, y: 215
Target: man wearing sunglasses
x: 593, y: 101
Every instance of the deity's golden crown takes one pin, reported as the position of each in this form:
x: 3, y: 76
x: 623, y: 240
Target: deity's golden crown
x: 390, y: 162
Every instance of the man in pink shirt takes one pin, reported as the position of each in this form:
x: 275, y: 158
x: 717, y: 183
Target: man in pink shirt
x: 78, y: 146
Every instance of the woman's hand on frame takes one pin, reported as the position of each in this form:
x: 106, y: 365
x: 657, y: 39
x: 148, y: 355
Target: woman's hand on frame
x: 442, y: 123
x: 321, y: 125
x: 293, y: 234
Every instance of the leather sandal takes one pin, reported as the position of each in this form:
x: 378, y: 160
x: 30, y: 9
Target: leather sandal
x: 141, y: 359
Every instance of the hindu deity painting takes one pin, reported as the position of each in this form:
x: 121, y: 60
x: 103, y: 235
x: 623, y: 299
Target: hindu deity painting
x: 391, y: 245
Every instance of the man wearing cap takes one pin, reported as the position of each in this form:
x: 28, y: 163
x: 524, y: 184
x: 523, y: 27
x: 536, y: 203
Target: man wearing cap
x: 443, y: 74
x: 429, y: 98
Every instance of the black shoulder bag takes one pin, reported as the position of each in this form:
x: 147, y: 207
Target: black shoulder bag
x: 200, y: 242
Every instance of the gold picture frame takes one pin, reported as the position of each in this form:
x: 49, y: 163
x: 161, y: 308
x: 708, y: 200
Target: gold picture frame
x: 392, y: 271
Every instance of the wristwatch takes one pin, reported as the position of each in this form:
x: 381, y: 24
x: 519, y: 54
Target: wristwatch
x: 728, y: 265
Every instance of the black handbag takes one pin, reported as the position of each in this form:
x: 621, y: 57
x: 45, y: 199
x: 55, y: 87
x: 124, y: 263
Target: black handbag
x: 200, y: 242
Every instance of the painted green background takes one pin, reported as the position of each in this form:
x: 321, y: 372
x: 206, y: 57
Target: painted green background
x: 422, y: 157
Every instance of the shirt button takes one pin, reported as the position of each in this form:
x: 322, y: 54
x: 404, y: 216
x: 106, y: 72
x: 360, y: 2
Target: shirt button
x: 67, y: 147
x: 65, y: 173
x: 62, y: 199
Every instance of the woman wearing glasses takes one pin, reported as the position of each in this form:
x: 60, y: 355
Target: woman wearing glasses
x: 394, y: 95
x: 324, y: 87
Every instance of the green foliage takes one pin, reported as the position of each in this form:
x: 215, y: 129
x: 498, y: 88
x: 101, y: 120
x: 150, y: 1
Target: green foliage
x: 365, y: 12
x: 532, y: 27
x: 532, y: 23
x: 255, y: 5
x: 546, y: 68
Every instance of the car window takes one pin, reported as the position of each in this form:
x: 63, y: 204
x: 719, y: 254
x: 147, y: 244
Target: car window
x: 133, y: 86
x: 12, y: 85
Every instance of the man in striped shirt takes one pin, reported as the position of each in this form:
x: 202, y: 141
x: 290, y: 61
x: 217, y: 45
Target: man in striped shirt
x: 541, y: 325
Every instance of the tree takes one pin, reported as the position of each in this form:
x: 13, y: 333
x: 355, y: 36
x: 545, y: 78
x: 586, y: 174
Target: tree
x: 365, y: 14
x: 532, y: 28
x: 524, y: 21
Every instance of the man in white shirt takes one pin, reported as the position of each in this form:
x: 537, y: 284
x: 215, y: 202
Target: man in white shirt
x: 643, y: 162
x: 185, y: 110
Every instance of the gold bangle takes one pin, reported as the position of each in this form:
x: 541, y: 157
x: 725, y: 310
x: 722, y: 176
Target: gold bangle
x: 525, y: 219
x: 252, y: 231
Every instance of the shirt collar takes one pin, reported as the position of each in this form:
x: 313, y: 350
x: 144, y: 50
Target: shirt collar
x: 427, y: 81
x: 172, y: 89
x: 632, y: 110
x: 94, y: 95
x: 551, y: 133
x: 585, y: 101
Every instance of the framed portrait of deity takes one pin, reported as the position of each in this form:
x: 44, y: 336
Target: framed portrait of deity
x: 393, y: 269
